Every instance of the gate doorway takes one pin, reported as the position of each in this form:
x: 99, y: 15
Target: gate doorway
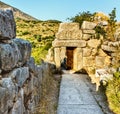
x: 70, y: 57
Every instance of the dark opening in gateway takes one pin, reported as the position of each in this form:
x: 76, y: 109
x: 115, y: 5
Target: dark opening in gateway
x: 70, y: 57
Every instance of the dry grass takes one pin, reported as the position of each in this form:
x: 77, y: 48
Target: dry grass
x: 49, y: 99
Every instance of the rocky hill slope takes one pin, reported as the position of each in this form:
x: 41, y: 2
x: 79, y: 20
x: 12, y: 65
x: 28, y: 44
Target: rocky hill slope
x: 17, y: 13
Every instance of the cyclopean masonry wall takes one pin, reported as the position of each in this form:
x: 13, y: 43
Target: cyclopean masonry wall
x: 20, y: 79
x: 89, y: 52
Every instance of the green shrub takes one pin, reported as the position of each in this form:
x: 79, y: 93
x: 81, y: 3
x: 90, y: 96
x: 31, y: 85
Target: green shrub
x: 113, y: 93
x: 100, y: 31
x: 25, y: 33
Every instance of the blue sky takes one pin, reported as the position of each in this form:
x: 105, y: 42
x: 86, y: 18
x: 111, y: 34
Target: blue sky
x: 62, y: 9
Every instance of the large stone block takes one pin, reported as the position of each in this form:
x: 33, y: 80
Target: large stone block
x: 57, y: 57
x: 87, y: 52
x: 69, y: 34
x: 89, y: 61
x: 10, y: 56
x: 69, y: 43
x: 69, y: 26
x: 4, y: 98
x: 91, y: 32
x: 20, y: 75
x: 78, y: 59
x: 109, y: 48
x: 94, y: 43
x: 86, y: 36
x: 100, y: 61
x: 14, y: 54
x: 7, y: 25
x: 18, y: 107
x: 69, y: 31
x: 88, y: 25
x: 31, y: 64
x: 24, y: 47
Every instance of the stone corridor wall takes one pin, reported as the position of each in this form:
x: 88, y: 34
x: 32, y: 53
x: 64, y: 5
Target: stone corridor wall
x: 92, y: 52
x: 20, y: 79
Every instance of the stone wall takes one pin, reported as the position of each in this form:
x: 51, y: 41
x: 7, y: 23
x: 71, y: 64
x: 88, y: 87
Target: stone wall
x: 92, y: 52
x: 21, y: 80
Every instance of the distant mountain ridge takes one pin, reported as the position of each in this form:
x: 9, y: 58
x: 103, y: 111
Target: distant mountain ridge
x: 17, y: 13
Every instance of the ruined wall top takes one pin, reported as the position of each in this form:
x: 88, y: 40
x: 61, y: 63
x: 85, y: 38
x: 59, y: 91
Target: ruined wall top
x: 7, y: 24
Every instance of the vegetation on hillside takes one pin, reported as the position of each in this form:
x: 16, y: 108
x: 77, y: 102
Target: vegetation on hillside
x: 17, y: 13
x: 113, y: 93
x: 39, y: 33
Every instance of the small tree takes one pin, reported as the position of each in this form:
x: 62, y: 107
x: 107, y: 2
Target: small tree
x: 84, y: 16
x: 112, y: 25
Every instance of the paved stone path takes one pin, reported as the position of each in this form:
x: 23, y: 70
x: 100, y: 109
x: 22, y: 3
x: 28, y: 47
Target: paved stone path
x: 75, y: 96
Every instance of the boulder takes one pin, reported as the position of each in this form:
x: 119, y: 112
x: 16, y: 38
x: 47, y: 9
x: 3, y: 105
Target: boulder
x: 88, y: 25
x: 14, y: 54
x: 7, y: 25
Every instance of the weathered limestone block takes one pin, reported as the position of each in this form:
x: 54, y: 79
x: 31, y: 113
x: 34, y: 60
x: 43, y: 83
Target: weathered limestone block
x: 69, y: 43
x: 57, y: 57
x: 86, y: 36
x: 40, y: 73
x: 31, y: 65
x: 20, y: 75
x: 50, y: 55
x: 24, y: 47
x: 94, y: 43
x: 117, y: 34
x: 69, y: 31
x: 69, y: 34
x: 102, y: 53
x: 88, y: 25
x: 91, y: 32
x: 7, y: 25
x: 12, y: 88
x: 103, y: 74
x: 94, y: 52
x: 63, y: 52
x: 69, y: 26
x: 78, y: 59
x: 100, y: 61
x: 4, y: 98
x: 109, y: 49
x: 18, y: 107
x: 86, y: 52
x: 9, y: 56
x: 89, y: 61
x: 14, y: 54
x: 114, y: 44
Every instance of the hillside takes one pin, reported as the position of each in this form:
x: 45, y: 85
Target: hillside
x: 17, y: 13
x: 39, y: 33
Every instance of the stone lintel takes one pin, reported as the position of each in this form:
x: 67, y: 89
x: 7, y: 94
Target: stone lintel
x: 69, y: 43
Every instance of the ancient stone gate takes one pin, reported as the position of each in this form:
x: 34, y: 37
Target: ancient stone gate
x: 82, y: 49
